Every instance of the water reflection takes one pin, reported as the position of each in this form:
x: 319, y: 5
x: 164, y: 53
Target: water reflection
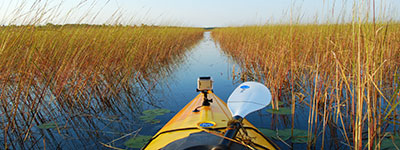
x: 112, y: 115
x: 206, y: 59
x: 86, y: 112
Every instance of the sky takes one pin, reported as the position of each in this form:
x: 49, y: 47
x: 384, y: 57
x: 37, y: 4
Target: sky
x: 197, y: 13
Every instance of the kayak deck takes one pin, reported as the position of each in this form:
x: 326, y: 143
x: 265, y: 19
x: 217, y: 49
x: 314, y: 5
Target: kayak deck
x: 216, y: 116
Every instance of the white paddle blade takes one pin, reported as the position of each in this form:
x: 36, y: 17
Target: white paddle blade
x: 247, y: 98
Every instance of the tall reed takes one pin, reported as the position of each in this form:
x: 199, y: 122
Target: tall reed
x: 348, y: 73
x: 50, y: 71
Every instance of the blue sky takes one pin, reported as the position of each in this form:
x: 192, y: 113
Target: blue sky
x: 199, y: 13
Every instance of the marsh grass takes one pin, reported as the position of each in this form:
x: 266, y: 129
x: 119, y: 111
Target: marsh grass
x: 71, y: 73
x: 347, y: 74
x: 68, y: 85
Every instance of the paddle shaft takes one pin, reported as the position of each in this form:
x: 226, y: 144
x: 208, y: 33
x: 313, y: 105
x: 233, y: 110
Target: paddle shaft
x: 232, y: 131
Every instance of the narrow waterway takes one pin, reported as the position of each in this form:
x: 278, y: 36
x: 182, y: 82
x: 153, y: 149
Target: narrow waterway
x: 111, y: 123
x: 206, y: 59
x: 179, y: 86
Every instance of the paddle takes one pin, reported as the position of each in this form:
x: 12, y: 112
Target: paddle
x: 245, y: 99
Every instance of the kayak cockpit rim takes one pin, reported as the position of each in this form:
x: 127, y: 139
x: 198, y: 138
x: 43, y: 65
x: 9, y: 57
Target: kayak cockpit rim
x: 216, y: 129
x: 207, y: 113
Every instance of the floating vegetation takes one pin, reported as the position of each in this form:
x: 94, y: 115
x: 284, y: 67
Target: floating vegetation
x: 147, y: 118
x: 270, y: 133
x: 137, y: 142
x: 48, y: 125
x: 392, y: 142
x: 150, y: 115
x: 299, y: 136
x: 156, y: 112
x: 280, y: 103
x: 281, y: 111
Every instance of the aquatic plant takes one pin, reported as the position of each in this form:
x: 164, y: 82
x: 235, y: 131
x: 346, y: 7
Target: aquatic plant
x: 137, y: 142
x: 47, y: 70
x: 345, y: 73
x: 150, y: 115
x: 298, y: 136
x: 65, y: 83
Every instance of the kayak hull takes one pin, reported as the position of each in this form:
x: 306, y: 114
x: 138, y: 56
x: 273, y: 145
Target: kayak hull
x: 194, y: 118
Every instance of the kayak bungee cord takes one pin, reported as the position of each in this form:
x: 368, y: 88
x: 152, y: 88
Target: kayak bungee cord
x: 227, y: 138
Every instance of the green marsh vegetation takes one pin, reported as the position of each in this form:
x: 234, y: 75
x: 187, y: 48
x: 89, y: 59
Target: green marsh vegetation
x: 48, y: 71
x: 66, y: 81
x: 345, y: 74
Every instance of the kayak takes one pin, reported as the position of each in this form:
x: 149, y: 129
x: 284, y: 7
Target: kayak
x: 202, y: 123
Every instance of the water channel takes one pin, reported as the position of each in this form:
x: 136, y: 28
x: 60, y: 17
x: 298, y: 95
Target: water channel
x: 120, y: 120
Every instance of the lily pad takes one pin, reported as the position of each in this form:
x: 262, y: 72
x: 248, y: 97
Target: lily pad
x: 281, y: 111
x: 137, y: 142
x: 299, y: 139
x: 156, y: 112
x: 280, y: 103
x: 155, y: 121
x: 389, y: 143
x: 269, y: 133
x: 150, y: 115
x: 147, y: 117
x: 297, y: 132
x: 284, y: 134
x: 48, y: 125
x: 299, y: 136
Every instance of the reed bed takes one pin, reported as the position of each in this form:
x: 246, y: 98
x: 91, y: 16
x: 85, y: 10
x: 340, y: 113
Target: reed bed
x: 71, y: 74
x: 346, y: 74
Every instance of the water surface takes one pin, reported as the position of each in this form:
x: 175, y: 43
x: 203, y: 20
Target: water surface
x: 111, y: 122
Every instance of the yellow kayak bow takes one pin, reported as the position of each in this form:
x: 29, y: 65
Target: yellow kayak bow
x: 202, y: 124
